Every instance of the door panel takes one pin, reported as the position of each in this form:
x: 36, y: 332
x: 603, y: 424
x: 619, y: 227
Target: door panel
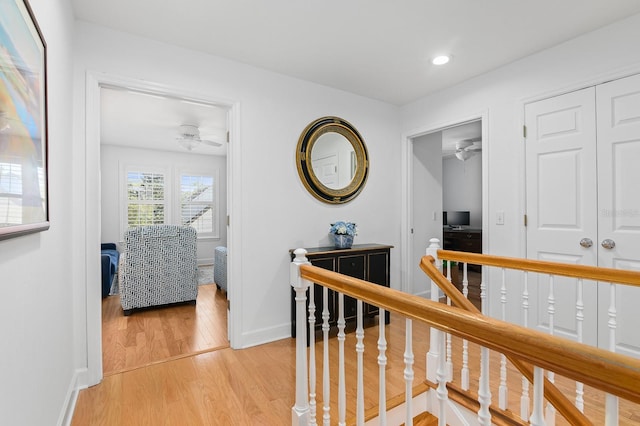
x: 562, y: 204
x: 326, y: 170
x: 619, y: 204
x: 558, y: 190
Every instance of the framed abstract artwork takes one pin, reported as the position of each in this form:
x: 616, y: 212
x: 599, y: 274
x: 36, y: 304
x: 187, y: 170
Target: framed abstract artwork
x: 24, y: 200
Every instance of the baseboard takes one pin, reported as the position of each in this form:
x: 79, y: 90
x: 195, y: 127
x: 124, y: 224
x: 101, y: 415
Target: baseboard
x: 266, y: 335
x: 69, y: 406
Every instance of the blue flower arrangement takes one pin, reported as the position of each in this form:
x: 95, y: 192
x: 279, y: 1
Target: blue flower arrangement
x: 344, y: 228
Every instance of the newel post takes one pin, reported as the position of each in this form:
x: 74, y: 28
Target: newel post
x: 300, y: 411
x: 434, y: 339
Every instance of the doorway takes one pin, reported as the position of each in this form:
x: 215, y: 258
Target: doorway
x: 435, y: 178
x: 154, y: 171
x: 462, y: 201
x: 90, y: 193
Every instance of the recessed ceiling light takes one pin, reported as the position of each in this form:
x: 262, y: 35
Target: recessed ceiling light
x: 440, y: 60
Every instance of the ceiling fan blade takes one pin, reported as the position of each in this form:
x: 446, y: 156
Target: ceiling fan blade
x: 210, y: 143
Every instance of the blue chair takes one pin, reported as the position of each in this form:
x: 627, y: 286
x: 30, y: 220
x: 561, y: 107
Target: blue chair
x: 109, y: 263
x: 220, y: 267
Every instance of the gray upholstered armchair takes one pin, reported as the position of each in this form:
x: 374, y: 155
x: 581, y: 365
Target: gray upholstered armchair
x: 158, y: 266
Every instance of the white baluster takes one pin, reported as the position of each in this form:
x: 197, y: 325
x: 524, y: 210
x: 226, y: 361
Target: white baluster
x: 342, y: 395
x: 579, y: 324
x: 502, y: 389
x: 443, y: 394
x: 449, y: 364
x: 524, y: 397
x: 434, y: 334
x: 483, y: 292
x: 382, y: 363
x: 326, y: 374
x: 611, y: 404
x: 312, y: 356
x: 550, y: 416
x: 537, y: 417
x: 484, y: 391
x: 300, y: 411
x: 360, y: 372
x: 408, y: 372
x: 464, y: 372
x: 465, y: 280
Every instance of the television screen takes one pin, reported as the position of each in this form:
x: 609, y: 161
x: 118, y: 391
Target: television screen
x: 456, y: 219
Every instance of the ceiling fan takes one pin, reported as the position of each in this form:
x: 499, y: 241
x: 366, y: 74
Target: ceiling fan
x: 468, y: 147
x: 189, y: 137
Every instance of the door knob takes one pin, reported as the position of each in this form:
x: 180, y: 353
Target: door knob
x: 608, y: 244
x: 586, y: 242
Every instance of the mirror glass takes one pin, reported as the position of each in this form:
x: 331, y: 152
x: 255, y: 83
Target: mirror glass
x: 332, y: 160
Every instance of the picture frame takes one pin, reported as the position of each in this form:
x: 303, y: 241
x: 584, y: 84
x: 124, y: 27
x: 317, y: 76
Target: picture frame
x: 24, y: 186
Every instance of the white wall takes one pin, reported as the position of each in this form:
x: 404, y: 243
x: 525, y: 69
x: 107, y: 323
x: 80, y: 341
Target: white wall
x: 462, y: 187
x: 271, y: 212
x: 37, y: 317
x: 113, y: 158
x: 594, y: 57
x: 427, y: 201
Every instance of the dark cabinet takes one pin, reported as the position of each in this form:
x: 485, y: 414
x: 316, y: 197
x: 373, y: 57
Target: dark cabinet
x: 469, y: 240
x: 369, y: 262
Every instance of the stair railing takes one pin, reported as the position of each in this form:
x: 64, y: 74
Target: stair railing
x: 613, y: 373
x: 552, y: 270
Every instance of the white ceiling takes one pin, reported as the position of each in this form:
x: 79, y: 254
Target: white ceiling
x: 147, y: 121
x: 465, y: 132
x: 377, y: 49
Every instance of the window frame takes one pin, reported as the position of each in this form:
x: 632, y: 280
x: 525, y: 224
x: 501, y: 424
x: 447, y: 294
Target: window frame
x: 214, y: 174
x: 124, y: 191
x: 172, y: 193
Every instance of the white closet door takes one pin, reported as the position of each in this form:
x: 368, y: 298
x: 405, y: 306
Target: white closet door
x: 562, y: 208
x: 618, y: 127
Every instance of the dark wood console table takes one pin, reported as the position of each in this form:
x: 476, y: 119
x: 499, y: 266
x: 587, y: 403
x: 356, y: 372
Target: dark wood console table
x: 369, y: 262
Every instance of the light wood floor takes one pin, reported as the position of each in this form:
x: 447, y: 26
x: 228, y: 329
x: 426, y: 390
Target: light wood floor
x: 255, y: 386
x: 155, y: 335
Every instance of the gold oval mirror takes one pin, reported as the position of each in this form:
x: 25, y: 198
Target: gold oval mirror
x: 332, y: 160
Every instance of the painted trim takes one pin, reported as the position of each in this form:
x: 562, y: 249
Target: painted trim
x: 71, y: 397
x: 234, y: 229
x: 407, y: 187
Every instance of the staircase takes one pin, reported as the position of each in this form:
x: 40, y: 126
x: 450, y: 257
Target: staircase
x: 474, y: 363
x: 424, y: 419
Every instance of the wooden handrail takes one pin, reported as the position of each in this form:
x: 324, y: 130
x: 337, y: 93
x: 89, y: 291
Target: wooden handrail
x: 613, y: 373
x: 568, y: 410
x: 595, y: 273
